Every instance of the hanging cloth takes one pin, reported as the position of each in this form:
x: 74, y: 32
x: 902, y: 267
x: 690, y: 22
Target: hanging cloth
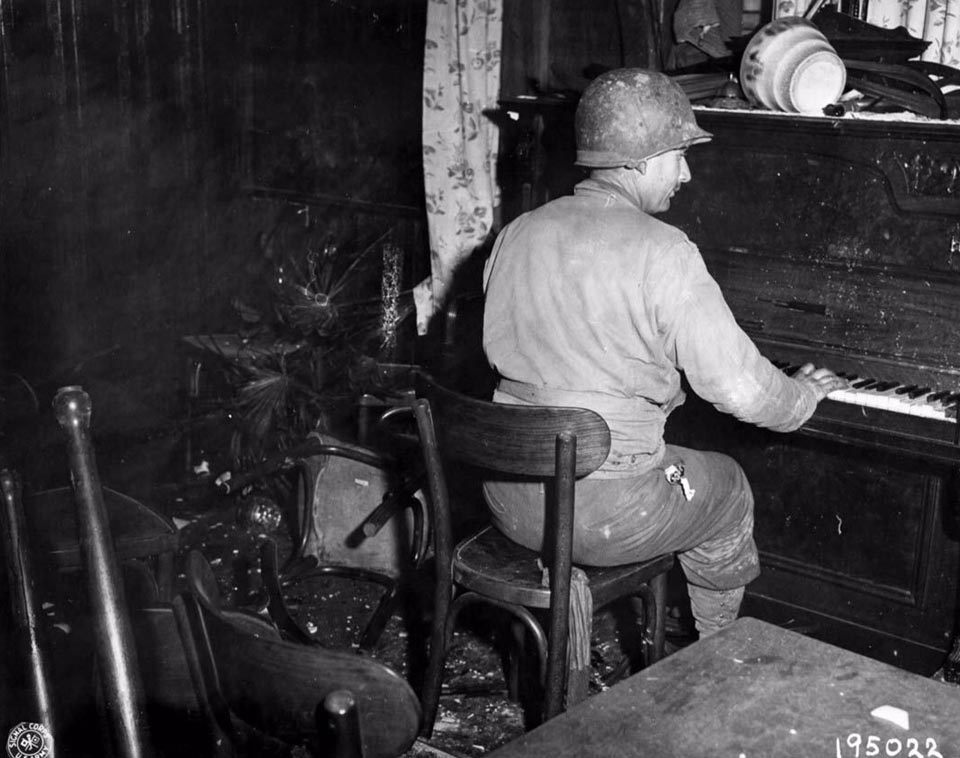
x: 461, y: 81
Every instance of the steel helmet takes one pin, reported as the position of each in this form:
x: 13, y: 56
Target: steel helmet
x: 628, y: 115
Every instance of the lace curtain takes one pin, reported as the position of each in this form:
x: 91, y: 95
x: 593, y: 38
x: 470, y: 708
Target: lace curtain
x: 461, y: 79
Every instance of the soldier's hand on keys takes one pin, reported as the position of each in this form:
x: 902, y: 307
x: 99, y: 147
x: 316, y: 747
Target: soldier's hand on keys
x: 822, y: 380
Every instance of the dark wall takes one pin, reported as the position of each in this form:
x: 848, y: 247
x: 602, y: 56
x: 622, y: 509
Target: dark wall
x: 148, y: 146
x: 559, y: 46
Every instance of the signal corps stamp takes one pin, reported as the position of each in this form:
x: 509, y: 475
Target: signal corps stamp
x: 29, y: 740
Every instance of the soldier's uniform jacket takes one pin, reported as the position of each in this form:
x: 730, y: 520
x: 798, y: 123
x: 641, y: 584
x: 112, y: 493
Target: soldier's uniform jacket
x: 590, y: 302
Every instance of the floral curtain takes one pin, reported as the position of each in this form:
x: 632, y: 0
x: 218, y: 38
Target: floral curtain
x: 461, y: 80
x: 937, y: 21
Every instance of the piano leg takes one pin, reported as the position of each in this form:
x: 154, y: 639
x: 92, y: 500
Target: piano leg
x: 951, y: 668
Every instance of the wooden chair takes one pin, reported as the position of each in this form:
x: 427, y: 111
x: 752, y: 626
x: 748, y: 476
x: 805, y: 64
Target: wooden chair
x: 256, y: 688
x: 554, y: 444
x: 139, y: 532
x: 356, y: 518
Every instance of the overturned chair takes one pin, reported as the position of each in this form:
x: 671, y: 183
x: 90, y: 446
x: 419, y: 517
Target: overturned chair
x: 357, y: 517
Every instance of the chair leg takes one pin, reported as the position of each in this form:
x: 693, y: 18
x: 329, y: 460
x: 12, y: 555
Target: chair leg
x: 445, y: 612
x: 659, y: 586
x: 165, y: 576
x: 440, y: 642
x: 276, y: 606
x: 514, y: 658
x: 378, y: 621
x: 654, y: 610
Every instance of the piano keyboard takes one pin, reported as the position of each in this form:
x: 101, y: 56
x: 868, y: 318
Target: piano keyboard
x: 910, y: 400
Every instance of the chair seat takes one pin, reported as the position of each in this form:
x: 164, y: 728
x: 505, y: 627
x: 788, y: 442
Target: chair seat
x: 138, y: 531
x: 493, y: 565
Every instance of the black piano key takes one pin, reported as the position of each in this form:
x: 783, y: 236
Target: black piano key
x: 905, y: 389
x: 952, y: 407
x: 885, y: 386
x: 918, y: 392
x: 864, y: 384
x: 934, y: 397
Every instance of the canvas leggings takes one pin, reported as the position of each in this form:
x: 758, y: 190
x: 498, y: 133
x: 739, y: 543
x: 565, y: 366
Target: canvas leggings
x: 633, y: 519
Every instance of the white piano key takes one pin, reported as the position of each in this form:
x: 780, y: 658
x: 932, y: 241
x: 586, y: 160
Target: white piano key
x: 889, y: 400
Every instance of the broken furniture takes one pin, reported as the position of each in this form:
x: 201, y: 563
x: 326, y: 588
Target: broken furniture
x: 253, y: 685
x: 553, y: 444
x: 759, y: 690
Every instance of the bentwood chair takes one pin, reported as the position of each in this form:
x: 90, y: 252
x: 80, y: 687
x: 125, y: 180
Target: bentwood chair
x: 356, y: 518
x: 257, y: 690
x: 555, y: 445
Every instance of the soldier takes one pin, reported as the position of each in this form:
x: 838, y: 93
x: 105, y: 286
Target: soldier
x: 592, y: 302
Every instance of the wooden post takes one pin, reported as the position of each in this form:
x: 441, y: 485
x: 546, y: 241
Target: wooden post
x: 541, y: 43
x: 120, y: 677
x: 340, y: 723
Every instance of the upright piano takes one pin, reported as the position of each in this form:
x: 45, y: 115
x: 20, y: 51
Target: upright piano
x: 836, y: 241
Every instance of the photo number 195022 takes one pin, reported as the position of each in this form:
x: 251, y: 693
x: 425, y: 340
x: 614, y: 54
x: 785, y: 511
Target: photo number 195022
x: 857, y: 745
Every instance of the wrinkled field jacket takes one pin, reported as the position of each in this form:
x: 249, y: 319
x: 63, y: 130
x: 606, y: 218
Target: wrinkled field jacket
x: 592, y: 303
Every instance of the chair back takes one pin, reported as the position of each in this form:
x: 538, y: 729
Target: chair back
x: 279, y: 687
x: 560, y: 444
x: 512, y: 439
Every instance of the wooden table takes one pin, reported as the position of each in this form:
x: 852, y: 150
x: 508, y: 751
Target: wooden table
x: 137, y: 530
x: 755, y: 690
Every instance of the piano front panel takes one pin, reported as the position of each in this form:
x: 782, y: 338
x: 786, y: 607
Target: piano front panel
x: 857, y: 543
